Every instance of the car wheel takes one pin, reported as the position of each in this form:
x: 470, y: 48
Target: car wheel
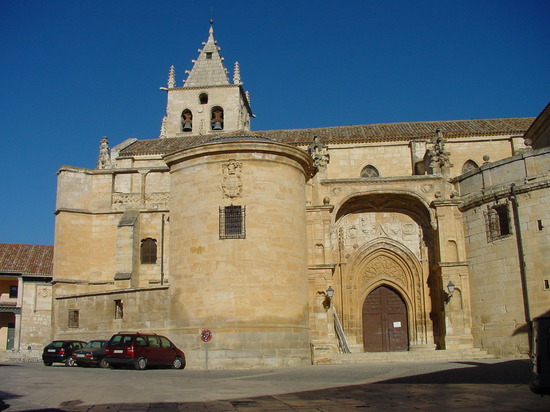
x: 103, y: 364
x: 178, y: 363
x: 141, y: 364
x: 48, y: 363
x: 70, y: 362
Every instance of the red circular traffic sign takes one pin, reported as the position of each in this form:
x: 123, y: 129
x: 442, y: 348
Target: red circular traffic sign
x: 206, y: 335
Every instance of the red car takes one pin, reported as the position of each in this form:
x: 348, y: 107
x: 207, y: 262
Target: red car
x: 141, y: 350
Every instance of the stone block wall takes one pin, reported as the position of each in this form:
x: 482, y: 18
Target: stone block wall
x: 499, y: 299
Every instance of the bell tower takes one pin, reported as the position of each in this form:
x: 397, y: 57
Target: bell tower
x: 207, y: 103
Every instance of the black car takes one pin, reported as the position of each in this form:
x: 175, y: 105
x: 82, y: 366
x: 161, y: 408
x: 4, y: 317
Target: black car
x: 91, y: 354
x: 60, y: 351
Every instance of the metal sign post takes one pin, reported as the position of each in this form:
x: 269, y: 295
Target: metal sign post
x: 206, y: 335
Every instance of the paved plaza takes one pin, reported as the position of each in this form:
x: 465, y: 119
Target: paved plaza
x: 495, y: 385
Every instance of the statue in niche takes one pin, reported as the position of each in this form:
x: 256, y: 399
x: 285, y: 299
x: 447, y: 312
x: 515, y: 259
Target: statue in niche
x: 232, y: 179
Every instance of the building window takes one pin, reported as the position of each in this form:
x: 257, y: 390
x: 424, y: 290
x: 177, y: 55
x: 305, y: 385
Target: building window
x: 13, y: 291
x: 203, y: 98
x: 73, y: 318
x: 469, y: 165
x: 208, y: 55
x: 216, y: 118
x: 186, y: 121
x: 497, y: 220
x: 148, y: 251
x: 119, y: 309
x: 232, y: 220
x: 369, y: 171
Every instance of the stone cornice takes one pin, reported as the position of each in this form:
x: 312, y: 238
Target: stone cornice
x: 322, y: 267
x: 124, y: 170
x: 107, y: 212
x: 500, y: 192
x: 374, y: 180
x: 320, y: 208
x: 112, y: 292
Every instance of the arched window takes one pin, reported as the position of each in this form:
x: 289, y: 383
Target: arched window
x: 203, y: 98
x: 186, y: 121
x: 148, y: 251
x: 369, y: 171
x: 469, y: 165
x: 216, y: 119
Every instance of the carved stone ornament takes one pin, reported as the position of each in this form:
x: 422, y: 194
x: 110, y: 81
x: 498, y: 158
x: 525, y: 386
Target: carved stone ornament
x: 319, y: 152
x: 104, y: 158
x: 387, y: 268
x: 440, y: 158
x: 232, y: 180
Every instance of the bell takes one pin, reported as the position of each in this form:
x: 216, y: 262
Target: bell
x: 187, y: 127
x: 217, y: 126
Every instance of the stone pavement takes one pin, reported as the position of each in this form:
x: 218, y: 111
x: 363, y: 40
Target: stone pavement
x: 496, y: 385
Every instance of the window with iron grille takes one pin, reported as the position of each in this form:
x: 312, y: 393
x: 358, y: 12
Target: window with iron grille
x: 232, y: 222
x: 497, y: 221
x: 148, y: 250
x: 73, y: 318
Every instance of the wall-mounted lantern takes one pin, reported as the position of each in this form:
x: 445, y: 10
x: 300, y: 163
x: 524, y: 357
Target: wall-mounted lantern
x: 451, y: 290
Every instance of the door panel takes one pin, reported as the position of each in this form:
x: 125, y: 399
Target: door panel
x: 374, y: 340
x: 11, y: 336
x: 385, y: 326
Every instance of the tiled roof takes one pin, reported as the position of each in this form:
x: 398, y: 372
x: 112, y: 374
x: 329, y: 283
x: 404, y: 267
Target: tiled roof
x: 346, y: 134
x: 26, y: 259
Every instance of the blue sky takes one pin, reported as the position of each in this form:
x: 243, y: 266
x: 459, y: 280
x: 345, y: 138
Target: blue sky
x: 74, y: 71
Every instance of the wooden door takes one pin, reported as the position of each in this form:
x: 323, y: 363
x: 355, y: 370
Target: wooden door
x: 385, y: 326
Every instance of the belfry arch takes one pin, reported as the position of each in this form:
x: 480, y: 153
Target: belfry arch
x: 387, y: 240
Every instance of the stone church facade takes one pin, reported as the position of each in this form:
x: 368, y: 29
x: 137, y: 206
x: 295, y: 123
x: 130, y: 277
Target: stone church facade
x: 291, y: 245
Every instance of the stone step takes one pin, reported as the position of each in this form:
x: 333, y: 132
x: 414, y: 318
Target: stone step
x: 22, y: 356
x: 410, y: 356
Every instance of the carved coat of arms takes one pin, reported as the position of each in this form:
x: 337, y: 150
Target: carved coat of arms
x: 232, y: 181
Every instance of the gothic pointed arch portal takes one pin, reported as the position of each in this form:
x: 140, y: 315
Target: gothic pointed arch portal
x: 387, y: 281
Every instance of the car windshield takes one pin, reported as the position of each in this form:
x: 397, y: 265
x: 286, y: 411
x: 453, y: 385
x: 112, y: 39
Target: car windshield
x: 57, y: 344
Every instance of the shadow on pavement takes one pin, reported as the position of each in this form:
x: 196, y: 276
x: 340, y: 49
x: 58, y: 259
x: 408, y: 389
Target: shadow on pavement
x: 511, y: 372
x: 498, y: 387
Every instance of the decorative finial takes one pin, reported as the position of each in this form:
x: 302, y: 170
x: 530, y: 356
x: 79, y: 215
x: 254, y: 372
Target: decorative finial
x: 104, y: 158
x: 237, y: 74
x: 163, y: 128
x: 440, y: 158
x: 319, y: 152
x: 172, y: 77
